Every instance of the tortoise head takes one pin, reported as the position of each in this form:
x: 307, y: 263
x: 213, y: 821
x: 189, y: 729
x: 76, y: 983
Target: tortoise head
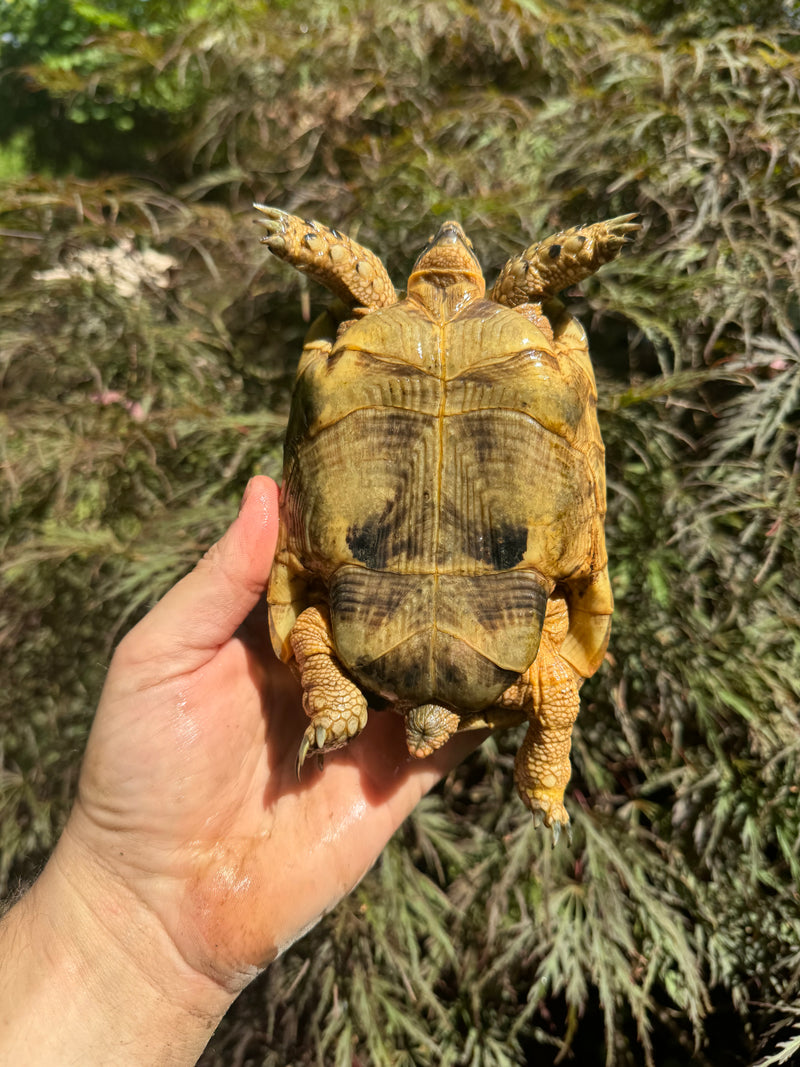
x: 447, y: 271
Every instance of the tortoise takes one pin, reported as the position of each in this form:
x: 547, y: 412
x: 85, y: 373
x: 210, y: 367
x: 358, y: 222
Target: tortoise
x: 441, y: 547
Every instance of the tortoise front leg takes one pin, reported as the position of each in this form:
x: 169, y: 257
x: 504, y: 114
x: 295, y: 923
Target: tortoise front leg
x: 561, y: 260
x: 347, y: 269
x: 336, y: 706
x: 548, y: 692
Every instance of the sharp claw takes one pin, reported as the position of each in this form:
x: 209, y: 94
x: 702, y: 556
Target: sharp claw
x: 556, y: 827
x: 625, y: 232
x: 619, y: 223
x: 274, y: 224
x: 313, y: 741
x: 274, y: 214
x: 302, y: 752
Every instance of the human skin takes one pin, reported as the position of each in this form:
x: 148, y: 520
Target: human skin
x: 193, y: 856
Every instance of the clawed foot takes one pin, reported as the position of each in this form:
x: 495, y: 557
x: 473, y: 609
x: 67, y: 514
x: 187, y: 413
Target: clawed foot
x: 541, y: 773
x: 553, y: 816
x: 540, y: 781
x: 586, y: 247
x: 276, y: 223
x: 326, y: 733
x: 333, y: 702
x: 561, y: 260
x: 347, y: 269
x: 614, y: 233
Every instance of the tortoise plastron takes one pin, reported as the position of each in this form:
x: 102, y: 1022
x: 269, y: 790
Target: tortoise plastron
x: 441, y: 546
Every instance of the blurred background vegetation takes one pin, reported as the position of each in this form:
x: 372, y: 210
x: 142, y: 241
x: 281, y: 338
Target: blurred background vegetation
x: 147, y: 346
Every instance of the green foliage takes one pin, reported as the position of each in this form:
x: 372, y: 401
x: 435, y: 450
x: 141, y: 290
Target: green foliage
x: 704, y: 19
x: 55, y: 115
x: 146, y: 355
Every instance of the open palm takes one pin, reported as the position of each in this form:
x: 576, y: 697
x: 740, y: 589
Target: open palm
x: 188, y: 793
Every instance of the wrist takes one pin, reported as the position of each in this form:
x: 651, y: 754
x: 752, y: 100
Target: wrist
x: 89, y: 974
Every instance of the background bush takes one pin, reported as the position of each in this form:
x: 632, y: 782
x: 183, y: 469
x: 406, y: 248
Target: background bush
x: 147, y: 346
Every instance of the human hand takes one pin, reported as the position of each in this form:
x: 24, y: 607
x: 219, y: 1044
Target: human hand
x: 189, y: 821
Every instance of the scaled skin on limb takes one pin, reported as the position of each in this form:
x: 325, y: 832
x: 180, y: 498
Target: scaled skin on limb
x: 561, y: 260
x: 548, y: 692
x: 336, y: 706
x: 345, y: 268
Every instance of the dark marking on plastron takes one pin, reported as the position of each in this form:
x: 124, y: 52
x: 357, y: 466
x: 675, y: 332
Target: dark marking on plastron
x: 369, y: 542
x: 379, y: 539
x: 458, y: 677
x: 487, y: 376
x: 388, y: 534
x: 495, y: 614
x: 491, y: 614
x: 448, y: 675
x: 413, y: 678
x: 509, y: 544
x: 554, y: 251
x: 503, y: 546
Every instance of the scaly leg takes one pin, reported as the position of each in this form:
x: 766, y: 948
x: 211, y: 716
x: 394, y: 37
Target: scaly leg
x: 548, y: 691
x: 561, y: 260
x: 345, y: 268
x: 336, y: 706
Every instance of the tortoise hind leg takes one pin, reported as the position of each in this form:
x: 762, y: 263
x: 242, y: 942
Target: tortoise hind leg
x: 345, y: 268
x: 336, y: 706
x: 548, y: 692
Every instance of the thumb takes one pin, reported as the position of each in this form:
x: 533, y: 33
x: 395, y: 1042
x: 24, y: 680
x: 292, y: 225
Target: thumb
x: 205, y: 608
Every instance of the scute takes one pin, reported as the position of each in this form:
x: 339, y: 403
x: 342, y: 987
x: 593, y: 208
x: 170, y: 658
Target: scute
x: 380, y: 619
